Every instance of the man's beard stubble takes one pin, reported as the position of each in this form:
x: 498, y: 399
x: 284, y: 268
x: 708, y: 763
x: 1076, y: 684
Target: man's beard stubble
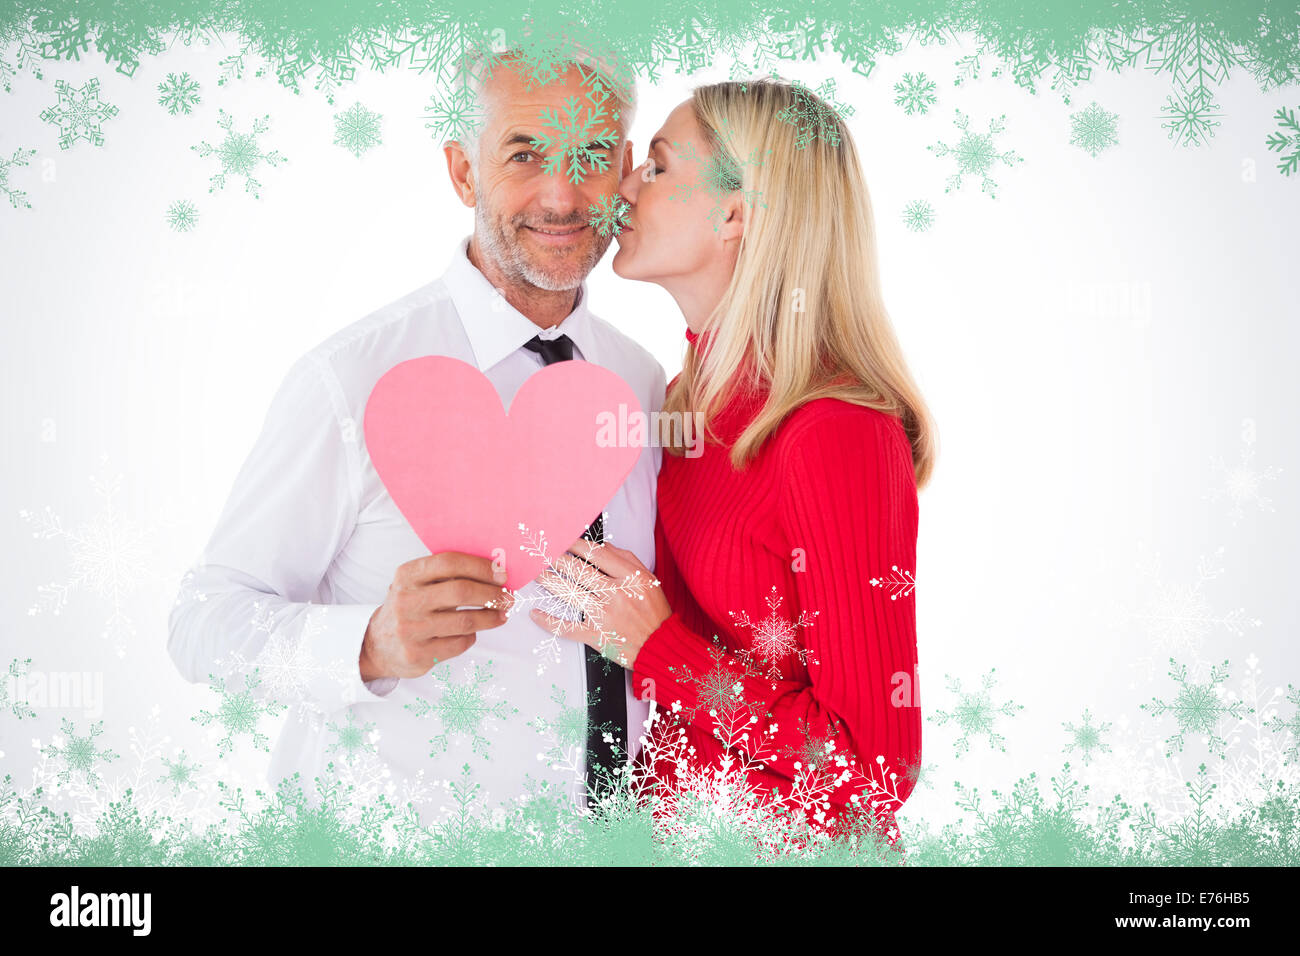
x: 497, y: 241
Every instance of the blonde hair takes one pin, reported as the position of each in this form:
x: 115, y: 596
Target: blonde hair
x: 802, y: 314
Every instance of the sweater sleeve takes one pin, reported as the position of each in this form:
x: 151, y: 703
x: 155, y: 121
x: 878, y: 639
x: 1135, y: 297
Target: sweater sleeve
x: 848, y: 500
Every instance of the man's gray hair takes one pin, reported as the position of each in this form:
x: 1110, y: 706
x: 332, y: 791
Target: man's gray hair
x: 477, y: 65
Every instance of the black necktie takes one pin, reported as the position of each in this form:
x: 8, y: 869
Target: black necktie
x: 606, y: 703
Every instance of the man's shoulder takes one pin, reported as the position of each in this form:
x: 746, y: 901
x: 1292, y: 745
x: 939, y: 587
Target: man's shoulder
x: 420, y: 322
x: 422, y: 305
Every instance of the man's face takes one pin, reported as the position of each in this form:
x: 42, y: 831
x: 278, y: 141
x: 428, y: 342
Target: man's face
x: 531, y: 223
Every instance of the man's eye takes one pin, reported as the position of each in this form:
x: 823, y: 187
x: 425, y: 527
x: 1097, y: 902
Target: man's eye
x: 525, y: 154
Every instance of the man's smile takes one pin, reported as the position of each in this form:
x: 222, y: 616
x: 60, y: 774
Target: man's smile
x: 557, y: 235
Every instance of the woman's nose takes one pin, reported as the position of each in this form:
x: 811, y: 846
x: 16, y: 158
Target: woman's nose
x: 630, y: 186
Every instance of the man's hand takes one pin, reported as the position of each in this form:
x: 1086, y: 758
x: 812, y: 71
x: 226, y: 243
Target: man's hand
x: 419, y: 625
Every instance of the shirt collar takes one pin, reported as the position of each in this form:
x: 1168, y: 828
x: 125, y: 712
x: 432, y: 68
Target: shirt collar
x: 494, y: 327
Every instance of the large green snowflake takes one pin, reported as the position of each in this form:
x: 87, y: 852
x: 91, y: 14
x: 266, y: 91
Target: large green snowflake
x: 918, y: 215
x: 180, y: 774
x: 356, y: 129
x: 351, y: 738
x: 571, y: 723
x: 182, y: 215
x: 80, y: 755
x: 239, y: 153
x: 1093, y: 129
x: 566, y: 730
x: 178, y: 93
x: 239, y: 713
x: 453, y: 115
x: 719, y: 691
x: 1190, y: 117
x: 79, y: 114
x: 915, y: 93
x: 717, y: 175
x: 1285, y: 140
x: 1086, y: 738
x: 917, y: 772
x: 465, y: 708
x: 976, y: 714
x: 577, y: 138
x: 608, y: 215
x: 1198, y: 708
x: 815, y: 114
x: 975, y: 154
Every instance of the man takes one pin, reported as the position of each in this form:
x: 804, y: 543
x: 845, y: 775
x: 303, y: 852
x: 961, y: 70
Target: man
x: 316, y: 590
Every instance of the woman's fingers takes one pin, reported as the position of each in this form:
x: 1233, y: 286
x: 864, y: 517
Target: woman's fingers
x: 613, y: 561
x: 562, y: 628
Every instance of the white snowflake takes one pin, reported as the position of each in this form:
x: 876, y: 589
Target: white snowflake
x: 368, y: 776
x: 1137, y: 768
x: 286, y: 663
x: 575, y: 593
x: 1255, y: 756
x: 775, y: 637
x: 1178, y: 617
x: 109, y: 557
x: 1242, y: 484
x: 898, y: 583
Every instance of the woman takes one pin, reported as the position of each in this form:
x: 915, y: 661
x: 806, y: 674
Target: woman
x: 775, y: 647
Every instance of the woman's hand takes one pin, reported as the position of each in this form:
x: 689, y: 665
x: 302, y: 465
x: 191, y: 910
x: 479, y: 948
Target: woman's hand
x: 619, y: 598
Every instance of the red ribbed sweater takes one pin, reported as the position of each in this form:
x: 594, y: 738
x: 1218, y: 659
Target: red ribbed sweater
x: 828, y: 505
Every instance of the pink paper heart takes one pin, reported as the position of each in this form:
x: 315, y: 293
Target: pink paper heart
x: 466, y: 475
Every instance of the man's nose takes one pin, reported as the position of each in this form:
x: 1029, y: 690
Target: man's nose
x: 558, y: 194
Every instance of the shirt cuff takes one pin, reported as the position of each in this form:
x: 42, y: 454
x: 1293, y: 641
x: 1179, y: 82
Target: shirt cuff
x: 334, y: 639
x: 671, y: 654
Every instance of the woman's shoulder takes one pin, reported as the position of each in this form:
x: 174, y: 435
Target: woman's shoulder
x: 832, y: 452
x: 837, y: 420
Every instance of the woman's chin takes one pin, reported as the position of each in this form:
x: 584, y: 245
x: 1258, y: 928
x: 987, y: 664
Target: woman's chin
x: 622, y: 264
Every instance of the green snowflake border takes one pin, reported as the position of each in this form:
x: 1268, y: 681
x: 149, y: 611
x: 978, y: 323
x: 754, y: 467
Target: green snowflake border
x: 1036, y: 45
x: 330, y: 821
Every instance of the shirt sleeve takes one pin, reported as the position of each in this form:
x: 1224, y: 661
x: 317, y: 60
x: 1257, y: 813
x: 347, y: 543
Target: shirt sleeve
x: 248, y: 603
x: 848, y: 499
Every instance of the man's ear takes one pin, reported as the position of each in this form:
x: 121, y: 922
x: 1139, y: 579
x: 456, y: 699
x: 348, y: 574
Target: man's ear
x: 460, y: 169
x: 628, y: 164
x: 733, y: 227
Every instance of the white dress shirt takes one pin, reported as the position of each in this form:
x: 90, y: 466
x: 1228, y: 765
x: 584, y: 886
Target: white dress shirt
x: 308, y: 541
